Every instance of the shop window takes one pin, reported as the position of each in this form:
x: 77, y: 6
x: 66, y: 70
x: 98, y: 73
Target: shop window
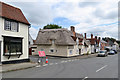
x: 12, y: 46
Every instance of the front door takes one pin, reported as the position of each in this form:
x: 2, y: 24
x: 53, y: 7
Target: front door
x: 79, y: 51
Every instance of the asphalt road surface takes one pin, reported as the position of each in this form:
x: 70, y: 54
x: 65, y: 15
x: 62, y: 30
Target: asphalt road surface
x: 96, y: 67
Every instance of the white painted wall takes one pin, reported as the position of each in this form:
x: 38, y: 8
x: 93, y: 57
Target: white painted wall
x: 75, y: 51
x: 23, y: 32
x: 92, y: 48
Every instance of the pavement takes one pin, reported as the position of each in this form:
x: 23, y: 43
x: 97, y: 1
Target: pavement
x: 95, y: 67
x: 58, y: 59
x: 14, y: 67
x: 34, y: 62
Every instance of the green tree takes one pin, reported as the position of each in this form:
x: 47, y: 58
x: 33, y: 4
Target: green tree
x: 52, y: 26
x: 107, y: 38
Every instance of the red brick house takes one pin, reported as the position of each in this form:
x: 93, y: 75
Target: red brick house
x: 95, y: 43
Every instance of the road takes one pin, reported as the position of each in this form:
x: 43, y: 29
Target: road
x: 96, y: 67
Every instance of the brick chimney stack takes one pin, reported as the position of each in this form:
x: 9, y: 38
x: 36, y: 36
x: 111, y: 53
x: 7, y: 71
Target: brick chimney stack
x: 91, y: 36
x: 85, y: 35
x: 72, y: 28
x: 99, y: 38
x: 95, y: 37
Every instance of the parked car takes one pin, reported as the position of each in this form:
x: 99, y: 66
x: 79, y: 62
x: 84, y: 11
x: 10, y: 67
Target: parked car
x: 102, y: 53
x: 111, y: 52
x: 115, y: 51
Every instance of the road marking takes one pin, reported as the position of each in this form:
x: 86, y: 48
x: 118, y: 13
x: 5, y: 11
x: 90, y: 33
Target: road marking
x: 72, y: 60
x: 69, y: 60
x: 85, y: 78
x: 56, y: 63
x: 38, y: 66
x: 51, y: 64
x: 101, y: 68
x: 45, y: 64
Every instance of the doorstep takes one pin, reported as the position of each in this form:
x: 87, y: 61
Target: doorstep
x: 15, y: 67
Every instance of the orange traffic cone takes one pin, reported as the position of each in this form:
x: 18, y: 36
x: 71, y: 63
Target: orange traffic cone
x: 46, y: 60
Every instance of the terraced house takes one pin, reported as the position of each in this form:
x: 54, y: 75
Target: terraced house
x: 14, y: 29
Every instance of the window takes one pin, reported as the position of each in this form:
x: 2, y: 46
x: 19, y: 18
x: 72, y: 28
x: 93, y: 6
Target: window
x: 12, y: 45
x: 11, y: 25
x: 53, y: 41
x: 70, y: 52
x: 33, y: 50
x: 52, y: 50
x: 42, y: 49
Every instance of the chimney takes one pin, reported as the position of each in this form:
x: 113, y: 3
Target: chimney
x: 91, y: 36
x: 72, y: 28
x: 85, y: 35
x: 95, y: 37
x: 99, y: 38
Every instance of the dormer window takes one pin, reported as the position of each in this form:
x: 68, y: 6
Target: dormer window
x: 11, y: 25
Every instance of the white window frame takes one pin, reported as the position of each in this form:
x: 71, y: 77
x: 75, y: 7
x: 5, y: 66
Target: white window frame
x: 11, y: 25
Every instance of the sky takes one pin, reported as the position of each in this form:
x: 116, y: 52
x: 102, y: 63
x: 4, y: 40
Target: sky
x: 99, y: 17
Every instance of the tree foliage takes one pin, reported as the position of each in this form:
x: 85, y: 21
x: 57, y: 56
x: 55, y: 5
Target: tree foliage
x: 52, y: 26
x: 107, y: 38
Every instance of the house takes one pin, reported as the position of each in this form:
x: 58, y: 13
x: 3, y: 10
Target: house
x: 84, y: 46
x: 115, y: 46
x: 14, y: 31
x: 103, y: 45
x: 32, y: 46
x: 95, y: 43
x: 59, y: 42
x: 110, y: 43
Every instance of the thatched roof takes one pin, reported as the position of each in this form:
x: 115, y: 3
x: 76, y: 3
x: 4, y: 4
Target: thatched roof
x: 61, y: 37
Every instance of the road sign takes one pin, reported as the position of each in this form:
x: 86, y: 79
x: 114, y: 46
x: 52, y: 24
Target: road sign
x: 41, y: 53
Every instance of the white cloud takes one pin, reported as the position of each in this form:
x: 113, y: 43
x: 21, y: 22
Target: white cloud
x: 33, y: 32
x: 88, y: 13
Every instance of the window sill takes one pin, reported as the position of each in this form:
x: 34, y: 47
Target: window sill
x: 12, y: 54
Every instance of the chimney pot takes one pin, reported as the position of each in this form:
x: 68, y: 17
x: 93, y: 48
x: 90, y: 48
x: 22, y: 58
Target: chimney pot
x: 72, y: 28
x: 95, y: 37
x: 91, y: 36
x: 99, y: 38
x: 85, y: 35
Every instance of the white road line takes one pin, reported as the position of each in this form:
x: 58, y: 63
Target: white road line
x: 38, y: 66
x: 84, y: 78
x: 45, y: 64
x: 101, y: 68
x: 56, y: 63
x: 51, y: 64
x: 72, y: 60
x: 69, y: 60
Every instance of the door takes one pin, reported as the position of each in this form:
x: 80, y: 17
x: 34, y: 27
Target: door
x: 30, y: 51
x: 79, y: 51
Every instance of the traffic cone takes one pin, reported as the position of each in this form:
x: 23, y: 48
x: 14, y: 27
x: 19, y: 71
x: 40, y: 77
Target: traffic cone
x: 46, y: 60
